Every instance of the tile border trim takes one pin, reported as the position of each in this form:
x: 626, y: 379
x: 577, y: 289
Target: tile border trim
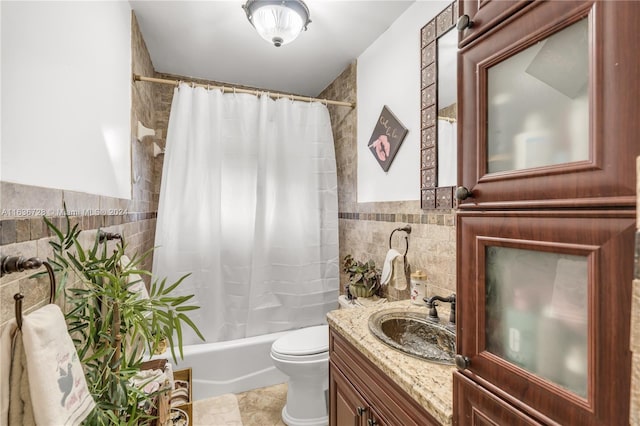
x: 17, y: 230
x: 429, y: 218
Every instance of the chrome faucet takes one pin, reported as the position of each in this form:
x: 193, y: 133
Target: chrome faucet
x: 433, y: 313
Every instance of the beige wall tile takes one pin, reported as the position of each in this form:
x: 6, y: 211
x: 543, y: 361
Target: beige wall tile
x: 432, y: 240
x: 28, y: 201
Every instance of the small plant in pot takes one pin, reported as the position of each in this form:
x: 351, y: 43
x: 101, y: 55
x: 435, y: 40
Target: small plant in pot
x: 364, y: 278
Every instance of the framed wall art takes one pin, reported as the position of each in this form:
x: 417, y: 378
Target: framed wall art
x: 386, y: 138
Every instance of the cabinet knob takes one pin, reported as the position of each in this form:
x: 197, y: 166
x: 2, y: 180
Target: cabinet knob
x: 462, y: 193
x: 464, y: 22
x: 372, y: 422
x: 361, y: 410
x: 462, y: 362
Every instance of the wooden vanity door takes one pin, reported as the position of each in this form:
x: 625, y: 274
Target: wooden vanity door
x: 542, y: 298
x: 347, y: 407
x: 477, y: 407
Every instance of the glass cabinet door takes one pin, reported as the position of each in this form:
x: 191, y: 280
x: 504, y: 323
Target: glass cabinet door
x: 538, y: 103
x: 536, y: 307
x: 545, y: 113
x: 541, y: 295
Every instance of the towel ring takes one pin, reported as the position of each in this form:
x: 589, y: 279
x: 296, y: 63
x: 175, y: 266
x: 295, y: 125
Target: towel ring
x: 18, y: 308
x: 9, y: 264
x: 407, y: 230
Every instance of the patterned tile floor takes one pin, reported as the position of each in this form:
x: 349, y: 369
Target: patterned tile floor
x: 262, y: 407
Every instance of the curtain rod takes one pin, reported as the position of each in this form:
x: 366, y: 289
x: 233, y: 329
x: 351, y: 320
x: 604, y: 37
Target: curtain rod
x: 137, y: 77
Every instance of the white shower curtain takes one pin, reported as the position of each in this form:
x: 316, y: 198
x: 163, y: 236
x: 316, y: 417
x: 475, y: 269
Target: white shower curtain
x: 248, y: 205
x: 447, y: 153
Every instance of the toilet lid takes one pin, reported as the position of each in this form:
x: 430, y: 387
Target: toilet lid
x: 306, y: 341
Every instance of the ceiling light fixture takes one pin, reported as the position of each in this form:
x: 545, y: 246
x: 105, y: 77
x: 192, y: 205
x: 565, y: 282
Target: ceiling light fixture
x: 278, y: 21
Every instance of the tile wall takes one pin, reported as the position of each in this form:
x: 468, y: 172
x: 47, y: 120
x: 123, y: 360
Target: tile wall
x: 24, y: 233
x: 365, y: 227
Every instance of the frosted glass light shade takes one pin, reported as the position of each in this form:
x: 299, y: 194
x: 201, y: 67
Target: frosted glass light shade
x: 278, y: 21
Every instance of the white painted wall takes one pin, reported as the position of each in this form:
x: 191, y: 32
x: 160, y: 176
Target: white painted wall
x: 388, y: 73
x: 66, y: 95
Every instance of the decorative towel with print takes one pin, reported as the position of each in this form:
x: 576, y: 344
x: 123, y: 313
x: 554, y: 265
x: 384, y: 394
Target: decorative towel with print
x: 61, y: 396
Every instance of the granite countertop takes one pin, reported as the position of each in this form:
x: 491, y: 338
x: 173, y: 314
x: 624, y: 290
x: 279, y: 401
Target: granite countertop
x: 430, y: 384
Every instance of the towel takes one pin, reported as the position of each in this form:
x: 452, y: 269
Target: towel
x: 399, y: 277
x: 387, y: 267
x: 62, y: 396
x: 20, y: 407
x: 137, y: 285
x: 154, y: 381
x: 15, y: 401
x: 6, y: 342
x: 218, y: 410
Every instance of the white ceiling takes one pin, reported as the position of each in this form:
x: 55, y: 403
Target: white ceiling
x: 213, y: 40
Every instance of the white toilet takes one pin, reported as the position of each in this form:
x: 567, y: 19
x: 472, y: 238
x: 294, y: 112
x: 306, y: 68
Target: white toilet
x: 303, y: 355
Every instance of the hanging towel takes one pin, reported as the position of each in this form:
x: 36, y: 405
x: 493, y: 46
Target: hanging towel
x: 398, y: 276
x: 387, y: 267
x: 6, y: 342
x: 20, y: 407
x: 62, y: 396
x: 137, y: 285
x: 15, y: 400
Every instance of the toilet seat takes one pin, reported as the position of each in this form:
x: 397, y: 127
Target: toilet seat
x: 306, y: 344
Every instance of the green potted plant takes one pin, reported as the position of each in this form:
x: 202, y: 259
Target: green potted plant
x: 364, y: 278
x: 113, y: 328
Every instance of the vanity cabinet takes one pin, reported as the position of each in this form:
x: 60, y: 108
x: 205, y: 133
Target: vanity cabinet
x: 484, y: 15
x: 481, y: 408
x: 546, y: 213
x: 544, y: 323
x: 360, y: 394
x: 548, y: 107
x: 349, y: 408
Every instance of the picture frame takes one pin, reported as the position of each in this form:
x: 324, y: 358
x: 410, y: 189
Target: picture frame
x: 386, y: 138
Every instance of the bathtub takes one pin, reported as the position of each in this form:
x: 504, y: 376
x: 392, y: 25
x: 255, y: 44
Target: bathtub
x: 230, y: 367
